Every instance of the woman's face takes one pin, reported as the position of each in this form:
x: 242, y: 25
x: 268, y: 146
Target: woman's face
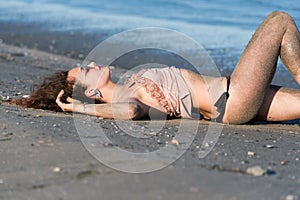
x: 92, y: 76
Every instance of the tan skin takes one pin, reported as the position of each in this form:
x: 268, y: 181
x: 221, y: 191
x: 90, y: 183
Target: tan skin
x: 251, y: 95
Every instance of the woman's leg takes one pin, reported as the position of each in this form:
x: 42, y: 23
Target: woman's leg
x: 280, y: 104
x: 250, y: 81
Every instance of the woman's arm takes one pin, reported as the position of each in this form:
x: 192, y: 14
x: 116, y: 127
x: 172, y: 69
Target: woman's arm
x: 124, y: 110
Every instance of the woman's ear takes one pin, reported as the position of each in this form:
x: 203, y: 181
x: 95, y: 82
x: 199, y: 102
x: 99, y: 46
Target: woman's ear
x: 93, y: 93
x: 89, y: 92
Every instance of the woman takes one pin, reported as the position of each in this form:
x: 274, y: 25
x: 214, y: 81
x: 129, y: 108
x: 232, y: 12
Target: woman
x: 247, y: 96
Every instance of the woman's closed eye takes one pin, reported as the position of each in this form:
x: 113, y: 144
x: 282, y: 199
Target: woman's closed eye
x: 85, y: 69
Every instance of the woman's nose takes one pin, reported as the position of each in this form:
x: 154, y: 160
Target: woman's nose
x: 92, y: 64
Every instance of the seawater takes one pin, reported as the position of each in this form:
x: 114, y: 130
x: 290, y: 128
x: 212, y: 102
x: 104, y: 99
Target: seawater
x: 213, y: 23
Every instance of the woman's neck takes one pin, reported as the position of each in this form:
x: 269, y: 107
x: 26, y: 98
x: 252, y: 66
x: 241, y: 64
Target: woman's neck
x: 109, y: 91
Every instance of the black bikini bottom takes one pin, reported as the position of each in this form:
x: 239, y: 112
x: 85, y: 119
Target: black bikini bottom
x: 221, y: 103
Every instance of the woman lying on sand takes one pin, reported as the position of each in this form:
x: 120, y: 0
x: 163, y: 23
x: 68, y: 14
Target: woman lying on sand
x: 247, y: 95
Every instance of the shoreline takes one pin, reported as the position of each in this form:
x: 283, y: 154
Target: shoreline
x: 72, y: 44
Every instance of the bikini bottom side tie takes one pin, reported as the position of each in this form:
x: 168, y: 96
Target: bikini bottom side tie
x: 221, y: 103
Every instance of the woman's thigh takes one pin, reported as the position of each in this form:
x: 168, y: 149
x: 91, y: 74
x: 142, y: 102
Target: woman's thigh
x: 254, y: 72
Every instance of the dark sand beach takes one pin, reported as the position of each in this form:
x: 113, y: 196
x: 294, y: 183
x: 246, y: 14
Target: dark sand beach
x: 42, y: 156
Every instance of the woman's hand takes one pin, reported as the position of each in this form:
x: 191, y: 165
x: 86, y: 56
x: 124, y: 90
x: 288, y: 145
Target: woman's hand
x: 72, y: 106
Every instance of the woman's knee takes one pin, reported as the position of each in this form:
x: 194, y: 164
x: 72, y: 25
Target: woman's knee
x: 280, y: 17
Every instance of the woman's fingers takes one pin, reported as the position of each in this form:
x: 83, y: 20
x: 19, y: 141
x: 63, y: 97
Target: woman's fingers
x: 73, y: 104
x: 58, y: 98
x: 61, y: 93
x: 62, y: 105
x: 71, y: 100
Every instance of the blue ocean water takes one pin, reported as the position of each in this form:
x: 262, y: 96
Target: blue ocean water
x: 213, y: 23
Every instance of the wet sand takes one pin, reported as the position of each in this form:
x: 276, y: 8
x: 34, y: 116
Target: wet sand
x: 42, y: 156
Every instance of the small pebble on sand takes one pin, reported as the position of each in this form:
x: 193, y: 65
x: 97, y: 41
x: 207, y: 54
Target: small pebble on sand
x: 56, y: 169
x: 269, y: 146
x: 290, y: 197
x: 256, y: 171
x: 175, y: 142
x: 283, y: 162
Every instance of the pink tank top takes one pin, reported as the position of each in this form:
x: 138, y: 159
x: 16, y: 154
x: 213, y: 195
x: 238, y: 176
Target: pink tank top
x: 168, y: 87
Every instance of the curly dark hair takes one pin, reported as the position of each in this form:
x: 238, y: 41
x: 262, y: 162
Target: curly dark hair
x: 43, y: 96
